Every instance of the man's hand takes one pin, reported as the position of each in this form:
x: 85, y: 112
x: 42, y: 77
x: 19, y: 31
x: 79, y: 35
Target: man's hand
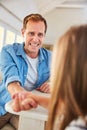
x: 45, y: 87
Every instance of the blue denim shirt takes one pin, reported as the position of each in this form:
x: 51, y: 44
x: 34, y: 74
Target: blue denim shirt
x: 13, y: 64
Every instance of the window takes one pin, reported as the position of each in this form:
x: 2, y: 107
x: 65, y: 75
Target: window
x: 10, y: 37
x: 1, y: 36
x: 19, y: 39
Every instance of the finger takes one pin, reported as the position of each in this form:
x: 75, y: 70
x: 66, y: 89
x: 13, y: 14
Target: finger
x: 14, y: 95
x: 43, y: 85
x: 21, y: 97
x: 16, y: 105
x: 30, y: 102
x: 27, y: 107
x: 45, y: 88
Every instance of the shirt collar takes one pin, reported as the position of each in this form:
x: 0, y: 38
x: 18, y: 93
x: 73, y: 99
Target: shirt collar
x: 22, y: 52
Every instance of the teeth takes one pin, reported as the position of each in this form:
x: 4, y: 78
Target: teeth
x: 34, y: 44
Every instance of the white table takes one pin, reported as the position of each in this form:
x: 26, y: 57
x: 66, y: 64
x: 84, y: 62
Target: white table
x: 34, y: 119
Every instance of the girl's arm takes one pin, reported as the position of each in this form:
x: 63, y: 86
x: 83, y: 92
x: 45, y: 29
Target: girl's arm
x: 41, y: 100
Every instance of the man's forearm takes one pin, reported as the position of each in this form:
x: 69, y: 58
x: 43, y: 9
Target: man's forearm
x: 14, y: 87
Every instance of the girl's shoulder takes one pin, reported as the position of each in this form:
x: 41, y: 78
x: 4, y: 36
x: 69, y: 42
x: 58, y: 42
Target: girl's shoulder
x: 78, y: 124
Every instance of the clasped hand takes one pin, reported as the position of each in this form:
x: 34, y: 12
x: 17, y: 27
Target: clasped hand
x: 23, y: 101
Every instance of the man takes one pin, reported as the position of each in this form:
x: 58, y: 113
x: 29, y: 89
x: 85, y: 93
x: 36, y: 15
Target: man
x: 25, y: 66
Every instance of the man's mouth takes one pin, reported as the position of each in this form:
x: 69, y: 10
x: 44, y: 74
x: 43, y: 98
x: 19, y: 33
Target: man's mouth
x: 34, y: 45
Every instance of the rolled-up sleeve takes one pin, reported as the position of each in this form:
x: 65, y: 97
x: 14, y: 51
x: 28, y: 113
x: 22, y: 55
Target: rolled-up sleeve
x: 8, y: 67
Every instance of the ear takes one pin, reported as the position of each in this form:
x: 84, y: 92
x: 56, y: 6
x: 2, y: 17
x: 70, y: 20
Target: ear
x: 22, y: 31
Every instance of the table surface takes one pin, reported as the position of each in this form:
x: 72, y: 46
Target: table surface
x: 36, y: 113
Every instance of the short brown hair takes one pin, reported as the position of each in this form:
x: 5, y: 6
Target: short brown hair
x: 35, y: 18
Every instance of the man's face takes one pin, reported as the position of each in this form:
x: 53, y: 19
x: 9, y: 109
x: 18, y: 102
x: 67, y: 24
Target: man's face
x: 33, y: 36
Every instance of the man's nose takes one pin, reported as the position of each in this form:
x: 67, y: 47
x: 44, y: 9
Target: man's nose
x: 35, y: 38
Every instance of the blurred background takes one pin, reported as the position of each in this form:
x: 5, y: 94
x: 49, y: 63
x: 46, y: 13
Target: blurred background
x: 60, y: 15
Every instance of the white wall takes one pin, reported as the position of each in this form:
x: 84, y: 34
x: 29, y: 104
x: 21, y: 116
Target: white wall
x: 60, y: 19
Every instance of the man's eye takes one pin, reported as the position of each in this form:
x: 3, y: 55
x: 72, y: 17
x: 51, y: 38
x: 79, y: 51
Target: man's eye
x: 31, y: 33
x: 40, y: 35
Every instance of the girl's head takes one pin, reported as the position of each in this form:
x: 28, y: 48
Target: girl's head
x: 69, y: 74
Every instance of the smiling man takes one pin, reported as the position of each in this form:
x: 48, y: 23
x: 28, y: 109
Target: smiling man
x: 25, y: 66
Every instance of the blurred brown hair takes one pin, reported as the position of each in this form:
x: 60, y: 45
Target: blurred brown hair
x: 69, y: 77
